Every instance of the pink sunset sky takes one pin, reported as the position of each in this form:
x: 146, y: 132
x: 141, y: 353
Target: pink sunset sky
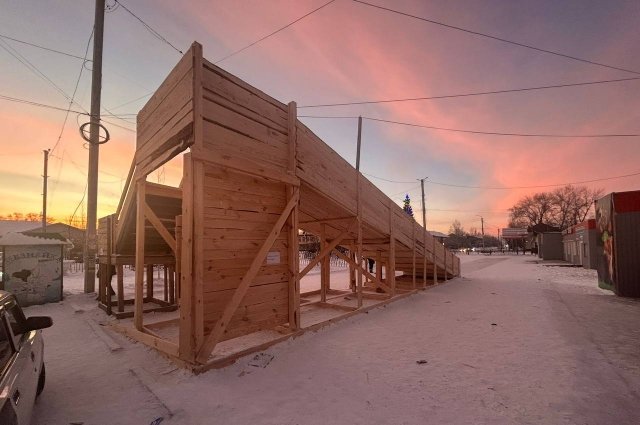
x: 345, y: 52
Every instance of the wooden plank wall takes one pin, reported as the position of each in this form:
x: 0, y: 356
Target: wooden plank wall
x: 247, y: 130
x: 164, y: 125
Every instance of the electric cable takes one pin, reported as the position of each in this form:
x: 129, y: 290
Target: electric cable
x: 471, y: 94
x: 273, y: 33
x: 504, y: 40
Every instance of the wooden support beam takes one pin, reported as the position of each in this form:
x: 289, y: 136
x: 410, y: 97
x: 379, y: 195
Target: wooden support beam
x: 330, y: 247
x: 445, y: 265
x: 324, y: 265
x: 435, y: 263
x: 198, y: 253
x: 413, y: 241
x: 391, y: 264
x: 371, y: 277
x: 120, y: 280
x: 149, y: 282
x: 126, y: 188
x: 108, y: 277
x: 165, y: 280
x: 328, y: 220
x: 187, y: 347
x: 160, y: 228
x: 221, y: 325
x: 293, y: 221
x: 379, y: 265
x: 140, y: 223
x: 172, y: 285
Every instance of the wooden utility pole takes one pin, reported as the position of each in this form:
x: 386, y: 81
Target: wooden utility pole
x: 359, y: 212
x: 44, y: 190
x: 424, y: 235
x: 94, y: 146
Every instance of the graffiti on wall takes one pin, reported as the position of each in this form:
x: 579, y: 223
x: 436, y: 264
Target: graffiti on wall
x: 33, y: 273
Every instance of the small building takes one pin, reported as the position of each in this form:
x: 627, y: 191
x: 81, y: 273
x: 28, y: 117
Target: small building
x: 439, y: 236
x: 579, y: 243
x: 618, y: 242
x: 532, y: 242
x: 550, y: 245
x: 73, y: 234
x: 32, y: 266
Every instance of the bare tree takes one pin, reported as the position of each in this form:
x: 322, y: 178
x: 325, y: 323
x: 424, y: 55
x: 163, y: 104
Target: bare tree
x: 456, y: 228
x: 562, y: 207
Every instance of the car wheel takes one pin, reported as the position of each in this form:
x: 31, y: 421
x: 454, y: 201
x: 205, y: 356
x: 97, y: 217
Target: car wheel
x: 41, y: 380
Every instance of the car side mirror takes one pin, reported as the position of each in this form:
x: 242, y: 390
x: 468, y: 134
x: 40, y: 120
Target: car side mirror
x: 38, y: 322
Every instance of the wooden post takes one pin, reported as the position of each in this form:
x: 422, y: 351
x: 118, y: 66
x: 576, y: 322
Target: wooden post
x: 140, y: 223
x: 178, y: 255
x: 186, y: 340
x: 391, y: 265
x: 120, y: 294
x: 107, y: 273
x: 166, y: 283
x: 379, y: 265
x: 172, y: 285
x: 435, y: 264
x: 424, y: 237
x: 149, y: 282
x: 352, y: 270
x: 413, y: 239
x: 324, y: 264
x: 197, y: 295
x: 445, y: 264
x: 293, y: 220
x: 359, y: 211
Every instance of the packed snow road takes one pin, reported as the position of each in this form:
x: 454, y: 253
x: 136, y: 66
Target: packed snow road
x: 509, y: 342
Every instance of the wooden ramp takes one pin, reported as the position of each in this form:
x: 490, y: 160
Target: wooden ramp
x: 253, y: 176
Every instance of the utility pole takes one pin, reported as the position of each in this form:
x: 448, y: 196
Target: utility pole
x: 482, y: 228
x: 424, y: 235
x: 424, y: 208
x: 44, y: 191
x: 359, y: 213
x: 94, y: 146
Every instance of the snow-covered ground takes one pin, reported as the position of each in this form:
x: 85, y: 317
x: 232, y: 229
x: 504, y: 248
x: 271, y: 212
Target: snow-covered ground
x: 511, y: 341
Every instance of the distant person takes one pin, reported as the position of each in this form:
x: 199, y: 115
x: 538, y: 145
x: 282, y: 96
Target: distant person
x: 371, y: 263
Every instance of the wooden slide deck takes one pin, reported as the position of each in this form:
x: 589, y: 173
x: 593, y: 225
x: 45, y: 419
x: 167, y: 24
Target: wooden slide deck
x: 252, y: 177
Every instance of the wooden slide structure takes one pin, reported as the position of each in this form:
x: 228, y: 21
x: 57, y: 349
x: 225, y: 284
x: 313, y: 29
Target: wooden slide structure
x: 253, y: 176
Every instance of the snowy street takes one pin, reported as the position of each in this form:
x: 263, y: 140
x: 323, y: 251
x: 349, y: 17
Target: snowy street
x: 511, y: 341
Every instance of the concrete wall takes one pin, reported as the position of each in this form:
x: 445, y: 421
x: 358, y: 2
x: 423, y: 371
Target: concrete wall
x: 33, y: 273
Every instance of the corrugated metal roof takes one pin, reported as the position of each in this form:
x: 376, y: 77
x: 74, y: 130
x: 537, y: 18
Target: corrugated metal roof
x: 30, y: 238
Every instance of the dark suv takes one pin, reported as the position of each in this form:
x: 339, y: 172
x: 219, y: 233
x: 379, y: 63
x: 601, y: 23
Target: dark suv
x: 22, y: 372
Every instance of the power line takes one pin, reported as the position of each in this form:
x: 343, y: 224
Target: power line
x: 44, y: 48
x: 504, y: 40
x: 482, y: 93
x: 512, y: 187
x: 273, y: 33
x: 155, y: 33
x: 535, y: 186
x: 31, y: 67
x: 75, y: 90
x: 41, y: 105
x: 387, y: 180
x: 493, y: 133
x: 131, y: 101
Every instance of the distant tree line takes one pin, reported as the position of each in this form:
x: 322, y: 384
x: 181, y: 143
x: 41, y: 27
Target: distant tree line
x: 31, y: 216
x: 562, y: 207
x: 459, y: 238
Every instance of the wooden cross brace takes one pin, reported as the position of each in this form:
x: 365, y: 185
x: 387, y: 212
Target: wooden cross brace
x: 221, y: 325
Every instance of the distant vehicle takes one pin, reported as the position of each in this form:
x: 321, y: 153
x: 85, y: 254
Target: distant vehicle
x: 22, y: 371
